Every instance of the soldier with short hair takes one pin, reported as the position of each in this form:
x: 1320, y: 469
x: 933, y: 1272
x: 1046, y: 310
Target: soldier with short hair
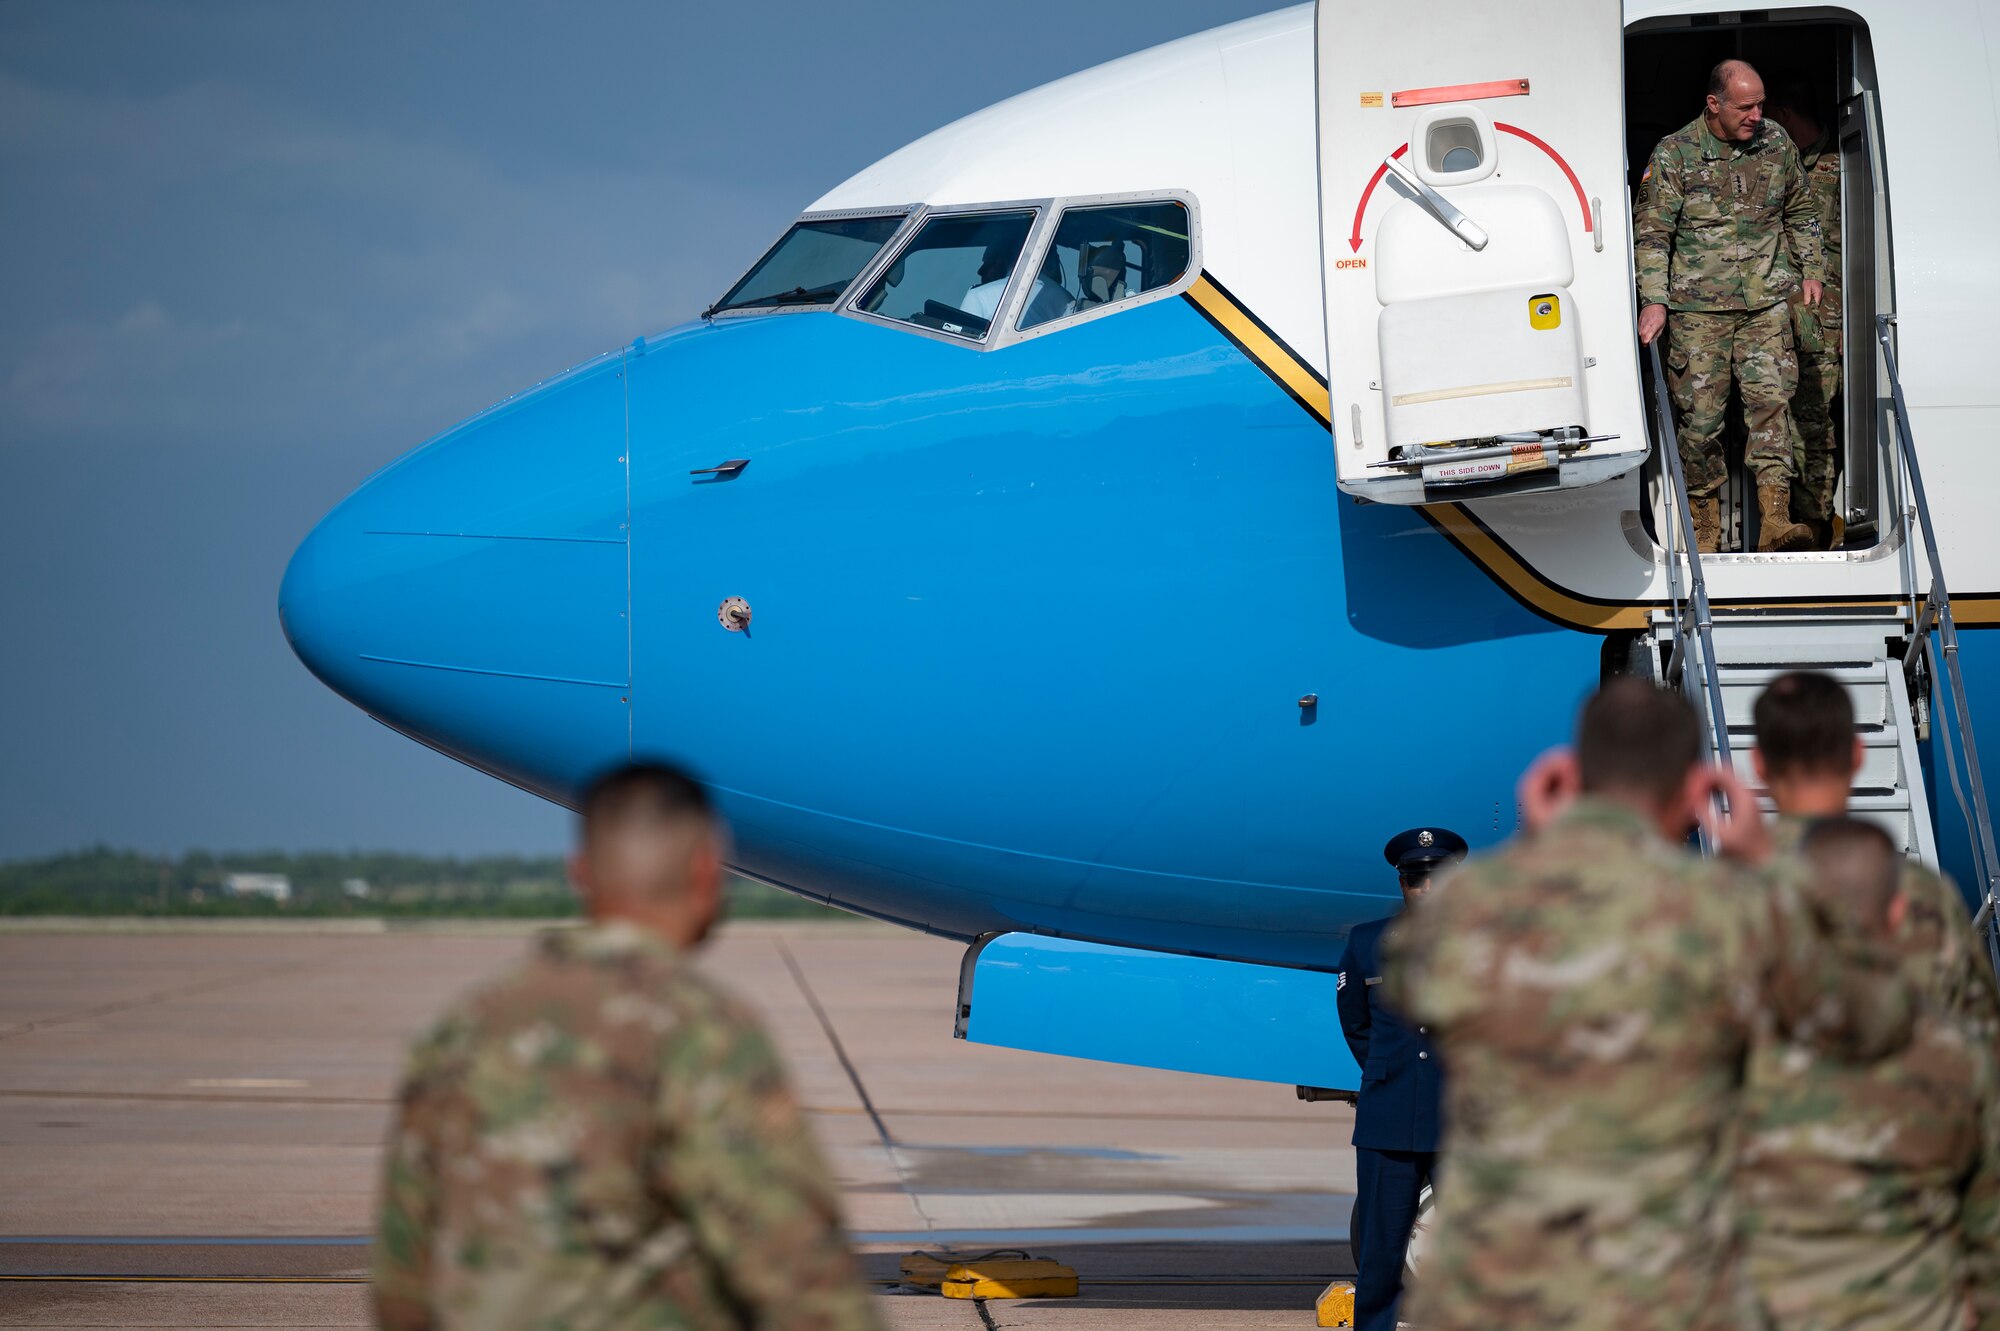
x: 1816, y: 329
x: 1807, y: 757
x: 1867, y: 1191
x: 601, y: 1137
x: 1593, y: 988
x: 1725, y: 232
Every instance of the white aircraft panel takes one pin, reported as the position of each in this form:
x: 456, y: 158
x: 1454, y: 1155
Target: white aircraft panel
x: 1508, y: 120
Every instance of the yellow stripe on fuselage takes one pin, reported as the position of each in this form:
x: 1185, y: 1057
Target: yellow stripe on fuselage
x: 1276, y: 359
x: 1469, y: 534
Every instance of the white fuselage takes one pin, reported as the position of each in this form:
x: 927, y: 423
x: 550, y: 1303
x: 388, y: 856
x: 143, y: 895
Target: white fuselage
x: 1229, y: 116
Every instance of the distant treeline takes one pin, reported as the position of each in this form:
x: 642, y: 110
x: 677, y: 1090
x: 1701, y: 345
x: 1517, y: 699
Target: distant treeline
x: 103, y: 881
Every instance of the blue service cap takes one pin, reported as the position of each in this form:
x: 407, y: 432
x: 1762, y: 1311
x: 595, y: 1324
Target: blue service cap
x: 1423, y: 848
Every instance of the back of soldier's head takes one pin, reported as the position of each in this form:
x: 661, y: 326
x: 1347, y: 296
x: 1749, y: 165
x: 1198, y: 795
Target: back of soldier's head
x: 1855, y: 869
x: 1637, y: 740
x: 1805, y: 726
x: 642, y: 825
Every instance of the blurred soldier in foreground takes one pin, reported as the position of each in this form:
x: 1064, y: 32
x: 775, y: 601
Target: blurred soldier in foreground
x: 1870, y: 1193
x: 1807, y: 756
x: 1396, y: 1117
x: 1724, y: 235
x: 601, y: 1138
x: 1593, y: 988
x: 1816, y: 330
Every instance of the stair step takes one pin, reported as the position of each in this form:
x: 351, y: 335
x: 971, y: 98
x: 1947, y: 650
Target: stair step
x: 1875, y: 737
x: 1794, y: 644
x: 1863, y: 801
x: 1865, y: 685
x: 1881, y: 765
x: 1891, y: 813
x: 1760, y: 675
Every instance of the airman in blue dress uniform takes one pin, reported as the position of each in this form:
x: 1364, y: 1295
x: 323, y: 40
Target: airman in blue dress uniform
x: 1396, y: 1118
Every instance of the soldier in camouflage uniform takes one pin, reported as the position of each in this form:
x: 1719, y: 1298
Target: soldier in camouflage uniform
x: 1724, y: 234
x: 1593, y: 989
x: 1807, y: 757
x: 601, y: 1138
x: 1816, y: 331
x: 1870, y: 1194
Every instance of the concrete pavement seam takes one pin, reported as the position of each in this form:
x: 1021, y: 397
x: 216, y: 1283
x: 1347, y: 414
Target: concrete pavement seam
x: 854, y: 1077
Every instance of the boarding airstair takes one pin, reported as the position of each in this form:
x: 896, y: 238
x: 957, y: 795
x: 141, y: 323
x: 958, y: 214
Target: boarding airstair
x: 1859, y: 651
x: 1899, y: 664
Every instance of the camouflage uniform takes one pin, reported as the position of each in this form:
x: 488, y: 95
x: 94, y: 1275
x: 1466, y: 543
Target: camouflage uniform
x: 1593, y: 992
x: 1817, y: 335
x: 1868, y: 1191
x: 1958, y: 979
x: 1981, y: 1221
x: 1962, y: 980
x: 603, y: 1140
x: 1723, y: 236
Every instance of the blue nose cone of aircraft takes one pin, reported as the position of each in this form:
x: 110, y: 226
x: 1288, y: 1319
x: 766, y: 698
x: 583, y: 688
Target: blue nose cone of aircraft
x: 474, y: 594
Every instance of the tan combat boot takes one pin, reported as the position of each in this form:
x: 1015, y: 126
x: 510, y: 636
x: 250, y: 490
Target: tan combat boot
x: 1707, y: 523
x: 1821, y: 528
x: 1780, y: 534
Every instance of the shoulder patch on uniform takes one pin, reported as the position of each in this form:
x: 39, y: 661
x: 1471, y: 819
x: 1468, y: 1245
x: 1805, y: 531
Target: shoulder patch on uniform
x: 1341, y: 983
x: 1648, y: 175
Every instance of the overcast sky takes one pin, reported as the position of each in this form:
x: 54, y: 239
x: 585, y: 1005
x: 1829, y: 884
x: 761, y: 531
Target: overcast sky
x: 251, y: 252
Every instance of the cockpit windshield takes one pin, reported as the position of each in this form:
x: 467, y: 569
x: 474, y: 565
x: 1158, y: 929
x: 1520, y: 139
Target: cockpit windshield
x: 811, y: 265
x: 952, y: 274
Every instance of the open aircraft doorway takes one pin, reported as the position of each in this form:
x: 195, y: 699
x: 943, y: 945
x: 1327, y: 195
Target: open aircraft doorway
x: 1822, y: 56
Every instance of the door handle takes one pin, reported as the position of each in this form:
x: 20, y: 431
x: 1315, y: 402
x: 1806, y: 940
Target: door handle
x: 729, y: 468
x: 1439, y: 207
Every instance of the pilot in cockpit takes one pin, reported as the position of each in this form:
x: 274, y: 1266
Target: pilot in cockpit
x: 1049, y: 300
x: 1101, y: 272
x: 983, y: 299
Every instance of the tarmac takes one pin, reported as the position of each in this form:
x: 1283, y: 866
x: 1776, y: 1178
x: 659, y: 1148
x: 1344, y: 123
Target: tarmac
x: 190, y: 1123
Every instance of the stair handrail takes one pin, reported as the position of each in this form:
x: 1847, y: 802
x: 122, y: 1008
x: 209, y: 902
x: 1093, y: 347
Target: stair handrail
x: 1692, y: 620
x: 1936, y: 613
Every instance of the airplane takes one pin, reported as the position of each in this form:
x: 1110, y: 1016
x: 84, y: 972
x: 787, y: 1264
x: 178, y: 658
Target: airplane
x: 1091, y: 531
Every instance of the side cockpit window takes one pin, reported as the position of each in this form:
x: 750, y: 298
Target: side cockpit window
x: 952, y: 274
x: 1101, y: 256
x: 811, y: 265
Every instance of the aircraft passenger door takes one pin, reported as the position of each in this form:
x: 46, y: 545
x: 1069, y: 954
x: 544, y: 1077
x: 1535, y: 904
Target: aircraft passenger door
x: 1867, y: 287
x: 1476, y: 239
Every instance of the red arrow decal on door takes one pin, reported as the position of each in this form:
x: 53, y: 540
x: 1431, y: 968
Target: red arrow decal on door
x: 1354, y: 240
x: 1582, y: 199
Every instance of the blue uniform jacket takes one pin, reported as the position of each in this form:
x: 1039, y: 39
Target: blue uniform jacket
x: 1400, y: 1082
